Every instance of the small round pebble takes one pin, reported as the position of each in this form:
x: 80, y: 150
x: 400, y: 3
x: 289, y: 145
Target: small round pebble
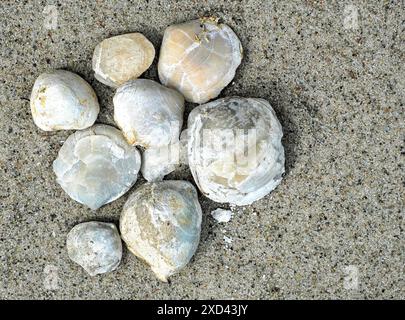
x: 222, y: 215
x: 95, y: 246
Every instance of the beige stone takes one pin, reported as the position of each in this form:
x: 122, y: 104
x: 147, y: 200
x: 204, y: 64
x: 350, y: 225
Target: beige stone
x: 199, y: 58
x: 121, y: 58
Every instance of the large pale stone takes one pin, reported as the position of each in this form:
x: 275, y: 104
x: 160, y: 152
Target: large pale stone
x: 199, y: 58
x: 121, y: 58
x: 234, y: 149
x: 161, y: 224
x: 96, y: 166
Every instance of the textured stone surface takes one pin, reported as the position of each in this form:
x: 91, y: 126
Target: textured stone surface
x: 97, y: 166
x: 149, y: 114
x: 159, y: 162
x: 95, y: 246
x: 61, y: 100
x: 199, y: 58
x: 122, y: 58
x: 338, y: 94
x: 234, y: 149
x: 161, y: 224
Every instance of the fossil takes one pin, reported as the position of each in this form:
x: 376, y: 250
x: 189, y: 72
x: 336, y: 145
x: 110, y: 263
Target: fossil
x: 199, y: 58
x: 96, y: 246
x: 158, y: 162
x: 121, y: 58
x: 149, y: 114
x: 62, y: 100
x: 161, y: 224
x: 234, y: 150
x: 96, y: 166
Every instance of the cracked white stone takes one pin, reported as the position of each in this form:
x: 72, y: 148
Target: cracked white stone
x: 95, y: 246
x: 161, y: 224
x: 97, y: 166
x: 234, y: 150
x: 159, y: 162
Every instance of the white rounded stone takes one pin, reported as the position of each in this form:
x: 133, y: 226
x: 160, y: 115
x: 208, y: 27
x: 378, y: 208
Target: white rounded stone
x: 97, y: 166
x: 149, y: 114
x: 61, y: 100
x: 222, y: 215
x: 234, y: 150
x: 161, y: 224
x: 159, y: 162
x: 95, y: 246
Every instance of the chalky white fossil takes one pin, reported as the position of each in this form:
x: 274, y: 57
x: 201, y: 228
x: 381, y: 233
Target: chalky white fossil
x: 199, y: 58
x: 97, y: 166
x: 62, y: 100
x: 122, y: 58
x: 234, y: 150
x: 96, y: 246
x: 161, y: 224
x: 149, y: 114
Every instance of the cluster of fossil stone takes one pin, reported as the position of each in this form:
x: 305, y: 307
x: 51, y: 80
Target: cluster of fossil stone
x: 232, y: 145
